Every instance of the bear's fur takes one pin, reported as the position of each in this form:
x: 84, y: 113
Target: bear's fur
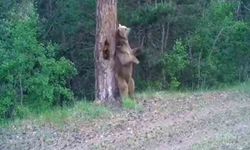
x: 124, y: 61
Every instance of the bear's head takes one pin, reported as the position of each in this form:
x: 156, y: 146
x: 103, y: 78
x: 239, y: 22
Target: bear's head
x: 123, y: 31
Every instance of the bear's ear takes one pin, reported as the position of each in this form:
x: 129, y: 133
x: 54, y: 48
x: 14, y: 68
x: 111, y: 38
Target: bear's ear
x: 119, y: 32
x: 119, y: 28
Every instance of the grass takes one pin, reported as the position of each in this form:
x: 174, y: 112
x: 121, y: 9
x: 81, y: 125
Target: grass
x: 80, y: 112
x: 131, y: 104
x: 242, y: 87
x: 86, y: 111
x: 147, y: 95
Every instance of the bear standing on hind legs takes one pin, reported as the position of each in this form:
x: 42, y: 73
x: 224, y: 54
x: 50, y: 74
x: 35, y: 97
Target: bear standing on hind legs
x: 124, y: 63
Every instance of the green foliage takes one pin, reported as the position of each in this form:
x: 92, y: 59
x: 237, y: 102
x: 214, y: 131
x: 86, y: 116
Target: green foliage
x: 23, y: 112
x: 71, y: 24
x: 145, y: 85
x: 220, y: 46
x: 174, y: 63
x: 30, y: 73
x: 215, y: 36
x: 36, y: 74
x: 149, y: 14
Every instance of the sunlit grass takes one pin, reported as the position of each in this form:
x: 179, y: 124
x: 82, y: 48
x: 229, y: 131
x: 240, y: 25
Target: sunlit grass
x: 85, y: 111
x: 242, y: 87
x: 131, y: 104
x: 80, y: 112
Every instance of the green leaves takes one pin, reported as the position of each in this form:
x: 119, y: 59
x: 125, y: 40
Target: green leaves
x: 30, y: 72
x: 219, y: 46
x: 152, y: 14
x: 175, y: 62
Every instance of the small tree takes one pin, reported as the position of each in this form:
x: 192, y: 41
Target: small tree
x: 175, y: 62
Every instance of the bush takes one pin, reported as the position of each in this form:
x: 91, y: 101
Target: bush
x: 30, y: 72
x: 220, y: 47
x: 174, y: 64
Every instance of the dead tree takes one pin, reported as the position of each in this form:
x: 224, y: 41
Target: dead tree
x: 106, y: 26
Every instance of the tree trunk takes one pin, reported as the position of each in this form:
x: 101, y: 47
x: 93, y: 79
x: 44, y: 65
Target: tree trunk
x: 106, y: 24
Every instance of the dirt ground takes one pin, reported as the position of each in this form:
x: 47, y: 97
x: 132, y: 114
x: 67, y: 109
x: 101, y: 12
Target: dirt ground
x: 208, y: 120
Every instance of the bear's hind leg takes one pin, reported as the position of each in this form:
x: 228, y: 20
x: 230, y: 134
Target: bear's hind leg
x: 123, y: 87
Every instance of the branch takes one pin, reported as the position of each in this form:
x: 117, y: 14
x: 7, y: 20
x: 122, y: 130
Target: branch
x: 217, y: 37
x: 247, y: 7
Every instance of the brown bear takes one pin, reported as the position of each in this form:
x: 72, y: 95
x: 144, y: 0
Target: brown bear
x: 124, y: 63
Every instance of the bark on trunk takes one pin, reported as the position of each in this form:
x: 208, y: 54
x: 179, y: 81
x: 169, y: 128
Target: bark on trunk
x: 106, y: 25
